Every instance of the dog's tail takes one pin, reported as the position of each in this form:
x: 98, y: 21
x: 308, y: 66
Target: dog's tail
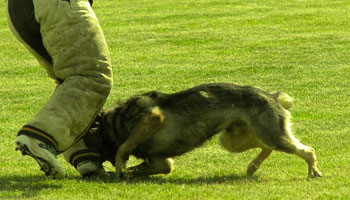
x: 283, y: 99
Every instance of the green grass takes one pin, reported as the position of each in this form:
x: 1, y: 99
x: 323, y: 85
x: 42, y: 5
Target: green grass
x: 301, y: 47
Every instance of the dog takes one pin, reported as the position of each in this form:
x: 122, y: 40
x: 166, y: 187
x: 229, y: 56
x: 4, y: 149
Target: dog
x: 157, y: 126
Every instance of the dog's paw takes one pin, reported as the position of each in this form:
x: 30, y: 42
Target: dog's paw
x: 251, y: 169
x: 119, y: 170
x: 120, y: 175
x: 314, y: 173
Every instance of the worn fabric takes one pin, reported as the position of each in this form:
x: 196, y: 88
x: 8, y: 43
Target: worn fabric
x: 80, y: 63
x: 26, y: 29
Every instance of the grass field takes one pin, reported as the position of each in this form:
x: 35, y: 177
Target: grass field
x: 301, y: 47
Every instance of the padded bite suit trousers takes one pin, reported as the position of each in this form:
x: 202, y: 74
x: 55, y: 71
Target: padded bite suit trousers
x: 66, y: 38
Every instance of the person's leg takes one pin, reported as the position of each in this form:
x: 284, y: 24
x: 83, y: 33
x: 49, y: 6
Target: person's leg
x: 80, y: 62
x: 86, y: 159
x: 88, y: 155
x: 22, y: 23
x: 73, y: 37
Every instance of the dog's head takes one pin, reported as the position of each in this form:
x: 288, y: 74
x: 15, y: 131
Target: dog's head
x: 121, y: 118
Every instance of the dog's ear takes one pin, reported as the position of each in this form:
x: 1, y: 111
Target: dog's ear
x: 283, y: 99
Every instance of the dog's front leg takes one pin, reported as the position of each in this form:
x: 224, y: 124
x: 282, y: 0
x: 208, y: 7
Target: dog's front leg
x: 145, y: 127
x: 255, y: 164
x: 152, y: 166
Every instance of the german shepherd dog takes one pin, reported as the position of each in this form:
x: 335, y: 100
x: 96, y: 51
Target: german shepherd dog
x: 156, y: 127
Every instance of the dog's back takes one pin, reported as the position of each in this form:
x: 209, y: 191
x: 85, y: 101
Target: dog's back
x: 193, y: 116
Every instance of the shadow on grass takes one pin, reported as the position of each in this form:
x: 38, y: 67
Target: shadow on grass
x: 193, y: 181
x: 17, y: 187
x: 160, y: 179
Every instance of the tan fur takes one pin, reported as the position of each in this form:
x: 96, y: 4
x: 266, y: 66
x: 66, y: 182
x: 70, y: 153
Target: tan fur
x: 239, y: 137
x: 145, y: 127
x: 156, y: 127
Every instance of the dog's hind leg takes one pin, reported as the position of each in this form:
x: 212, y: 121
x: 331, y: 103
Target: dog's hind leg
x: 145, y: 127
x: 275, y: 133
x: 255, y: 164
x: 306, y: 153
x: 289, y: 144
x: 238, y: 138
x: 152, y: 166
